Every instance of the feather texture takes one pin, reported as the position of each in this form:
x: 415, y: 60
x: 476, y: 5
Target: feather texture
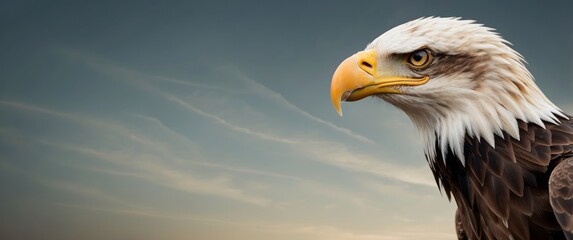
x: 561, y: 194
x: 502, y: 191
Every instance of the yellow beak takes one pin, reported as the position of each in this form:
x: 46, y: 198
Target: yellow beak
x: 357, y: 77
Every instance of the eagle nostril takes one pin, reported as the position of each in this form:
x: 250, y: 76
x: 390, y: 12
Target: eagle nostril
x: 367, y: 67
x: 366, y: 64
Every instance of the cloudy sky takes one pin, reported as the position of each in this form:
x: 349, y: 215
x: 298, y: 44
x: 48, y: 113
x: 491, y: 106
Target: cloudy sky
x: 190, y: 120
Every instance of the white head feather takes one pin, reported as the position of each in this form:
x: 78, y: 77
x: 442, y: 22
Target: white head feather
x: 481, y: 90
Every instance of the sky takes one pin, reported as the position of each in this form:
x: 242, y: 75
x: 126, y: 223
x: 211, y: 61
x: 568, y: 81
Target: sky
x: 212, y: 120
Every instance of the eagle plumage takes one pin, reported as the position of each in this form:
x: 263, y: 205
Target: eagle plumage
x: 493, y: 141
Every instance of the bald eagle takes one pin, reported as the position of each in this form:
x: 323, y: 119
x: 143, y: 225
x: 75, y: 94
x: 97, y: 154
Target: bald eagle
x: 492, y: 139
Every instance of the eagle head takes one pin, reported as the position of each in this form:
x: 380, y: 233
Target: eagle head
x: 453, y: 78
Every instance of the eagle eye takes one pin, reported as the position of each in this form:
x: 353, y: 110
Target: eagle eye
x: 420, y: 58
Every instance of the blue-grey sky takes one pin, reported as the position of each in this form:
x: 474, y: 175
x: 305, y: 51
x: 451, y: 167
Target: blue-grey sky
x: 212, y: 120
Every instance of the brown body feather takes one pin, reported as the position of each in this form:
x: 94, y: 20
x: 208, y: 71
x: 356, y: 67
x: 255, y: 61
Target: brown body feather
x: 502, y: 192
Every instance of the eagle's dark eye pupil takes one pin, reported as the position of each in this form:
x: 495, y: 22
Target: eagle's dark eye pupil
x: 420, y: 58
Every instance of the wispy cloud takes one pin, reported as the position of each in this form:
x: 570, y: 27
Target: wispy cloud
x: 246, y: 170
x: 76, y: 118
x: 326, y: 151
x: 144, y: 166
x: 253, y: 87
x: 330, y: 152
x: 233, y: 127
x: 145, y: 162
x: 149, y: 168
x: 37, y: 109
x: 260, y: 89
x: 91, y: 193
x: 341, y: 156
x: 397, y: 189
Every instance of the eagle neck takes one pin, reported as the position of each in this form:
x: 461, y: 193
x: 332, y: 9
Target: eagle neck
x: 445, y: 125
